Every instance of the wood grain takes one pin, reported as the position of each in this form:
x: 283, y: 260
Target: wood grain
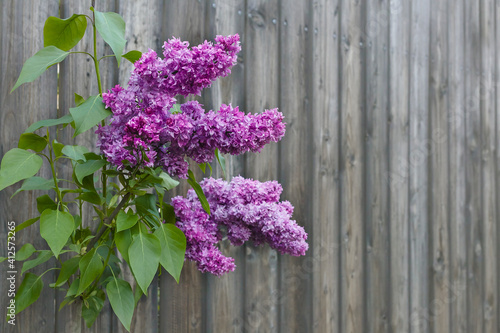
x: 352, y: 160
x: 398, y: 173
x: 456, y: 143
x: 21, y: 39
x: 376, y: 213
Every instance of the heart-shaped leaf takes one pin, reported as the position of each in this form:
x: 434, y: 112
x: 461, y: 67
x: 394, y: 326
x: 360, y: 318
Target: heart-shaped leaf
x: 88, y: 114
x: 35, y: 183
x: 64, y: 33
x: 111, y: 27
x: 90, y: 268
x: 144, y: 255
x: 55, y: 228
x: 88, y: 168
x: 133, y: 56
x: 173, y: 248
x: 32, y: 141
x: 28, y: 291
x: 37, y: 64
x: 49, y: 122
x: 18, y: 164
x: 121, y: 298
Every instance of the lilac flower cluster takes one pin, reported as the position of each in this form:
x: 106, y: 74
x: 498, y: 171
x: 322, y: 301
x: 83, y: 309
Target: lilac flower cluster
x: 143, y: 124
x: 246, y: 210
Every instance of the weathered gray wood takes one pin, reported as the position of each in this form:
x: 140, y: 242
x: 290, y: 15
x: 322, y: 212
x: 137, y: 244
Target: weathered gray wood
x: 475, y: 245
x: 326, y: 159
x: 496, y: 85
x: 418, y: 161
x: 22, y: 37
x: 182, y: 305
x: 225, y: 313
x: 295, y: 151
x: 456, y: 143
x: 398, y: 172
x: 376, y: 215
x: 439, y: 299
x: 261, y: 91
x: 488, y: 132
x: 352, y: 106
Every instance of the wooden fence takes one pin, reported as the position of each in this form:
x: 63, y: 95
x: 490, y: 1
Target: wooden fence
x: 390, y: 159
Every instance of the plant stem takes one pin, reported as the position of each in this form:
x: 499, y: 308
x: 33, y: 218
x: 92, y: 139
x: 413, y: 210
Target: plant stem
x: 54, y: 175
x: 108, y: 220
x: 99, y: 86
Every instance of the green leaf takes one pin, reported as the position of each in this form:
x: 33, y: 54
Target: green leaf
x: 168, y: 213
x: 35, y: 183
x: 91, y: 197
x: 168, y: 182
x: 58, y: 147
x: 173, y: 248
x: 37, y: 64
x: 133, y: 56
x: 126, y: 220
x: 121, y: 298
x: 49, y: 122
x: 56, y: 227
x: 64, y: 33
x: 90, y: 268
x: 25, y: 252
x: 73, y: 288
x: 146, y: 207
x: 123, y: 240
x: 222, y: 162
x: 42, y: 257
x: 44, y: 202
x: 92, y: 306
x: 176, y: 108
x: 88, y: 168
x: 32, y: 141
x: 18, y: 164
x: 88, y: 114
x: 199, y: 192
x: 26, y: 223
x: 2, y: 259
x: 144, y: 254
x: 28, y: 291
x: 68, y: 268
x: 76, y: 153
x: 111, y: 27
x: 79, y: 100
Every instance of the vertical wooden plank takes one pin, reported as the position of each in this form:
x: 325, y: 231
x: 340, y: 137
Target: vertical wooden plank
x: 143, y: 29
x: 326, y: 186
x: 295, y: 159
x: 418, y: 160
x: 77, y: 75
x: 439, y: 302
x: 488, y: 169
x: 496, y: 83
x: 475, y: 257
x: 376, y: 35
x: 261, y: 92
x: 22, y: 25
x: 182, y: 306
x: 351, y: 166
x: 398, y: 164
x: 456, y: 143
x: 225, y: 294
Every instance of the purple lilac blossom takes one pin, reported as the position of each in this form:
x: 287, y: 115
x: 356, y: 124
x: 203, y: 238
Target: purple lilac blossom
x: 142, y: 123
x: 247, y: 210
